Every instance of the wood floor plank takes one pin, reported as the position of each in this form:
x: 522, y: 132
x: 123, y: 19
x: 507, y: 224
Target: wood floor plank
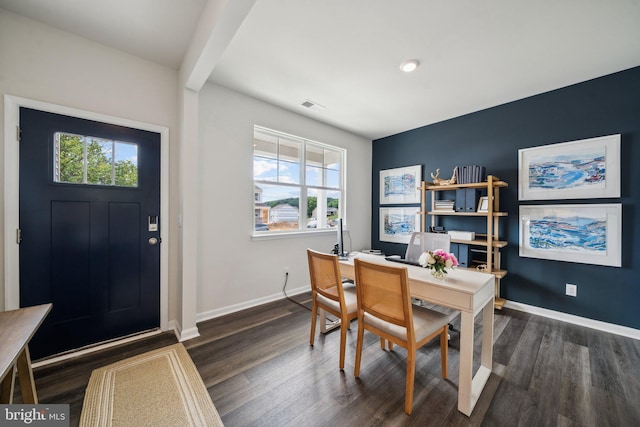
x: 575, y: 387
x: 457, y: 418
x: 524, y: 353
x: 576, y: 334
x: 612, y: 409
x: 506, y: 406
x: 505, y: 345
x: 605, y: 370
x: 566, y: 422
x: 500, y: 322
x: 626, y: 354
x: 261, y: 371
x: 544, y: 387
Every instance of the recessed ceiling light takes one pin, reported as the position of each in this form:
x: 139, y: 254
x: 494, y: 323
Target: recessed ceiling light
x: 409, y: 65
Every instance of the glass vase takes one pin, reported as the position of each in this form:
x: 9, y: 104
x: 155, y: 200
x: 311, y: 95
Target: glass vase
x: 438, y: 274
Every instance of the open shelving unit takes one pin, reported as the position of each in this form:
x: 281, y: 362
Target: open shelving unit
x: 491, y: 240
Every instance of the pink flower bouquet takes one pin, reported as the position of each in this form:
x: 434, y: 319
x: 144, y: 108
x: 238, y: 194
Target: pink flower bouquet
x: 438, y: 261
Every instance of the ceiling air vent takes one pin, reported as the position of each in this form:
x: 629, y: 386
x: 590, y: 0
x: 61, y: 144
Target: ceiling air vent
x: 312, y: 105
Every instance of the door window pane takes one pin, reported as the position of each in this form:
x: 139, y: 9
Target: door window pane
x: 89, y: 160
x: 126, y: 164
x: 69, y: 158
x: 99, y: 161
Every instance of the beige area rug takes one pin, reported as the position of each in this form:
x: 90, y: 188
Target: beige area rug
x: 158, y: 388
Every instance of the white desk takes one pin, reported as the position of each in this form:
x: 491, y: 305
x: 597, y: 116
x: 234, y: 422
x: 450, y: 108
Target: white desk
x: 468, y: 291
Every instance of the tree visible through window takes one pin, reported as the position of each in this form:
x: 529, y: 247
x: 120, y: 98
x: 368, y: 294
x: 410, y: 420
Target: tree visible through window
x: 298, y: 184
x: 89, y: 160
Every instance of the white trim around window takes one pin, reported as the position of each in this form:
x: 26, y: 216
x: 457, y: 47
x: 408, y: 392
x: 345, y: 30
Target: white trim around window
x: 298, y: 184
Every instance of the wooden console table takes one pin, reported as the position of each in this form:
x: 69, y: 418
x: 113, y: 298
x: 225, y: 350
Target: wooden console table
x: 17, y: 327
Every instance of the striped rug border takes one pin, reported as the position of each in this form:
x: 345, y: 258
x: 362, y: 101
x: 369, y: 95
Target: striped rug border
x: 97, y: 409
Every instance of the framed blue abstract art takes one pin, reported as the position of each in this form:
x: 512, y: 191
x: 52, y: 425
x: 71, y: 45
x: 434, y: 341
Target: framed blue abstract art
x: 400, y: 185
x: 589, y: 234
x: 584, y: 169
x: 398, y: 224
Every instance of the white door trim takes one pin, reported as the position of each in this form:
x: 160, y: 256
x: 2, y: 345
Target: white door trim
x: 12, y: 106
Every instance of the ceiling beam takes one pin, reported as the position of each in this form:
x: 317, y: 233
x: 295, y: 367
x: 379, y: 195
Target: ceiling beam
x: 217, y: 26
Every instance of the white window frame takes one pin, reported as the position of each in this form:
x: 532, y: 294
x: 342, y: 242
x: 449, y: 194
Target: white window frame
x: 302, y: 186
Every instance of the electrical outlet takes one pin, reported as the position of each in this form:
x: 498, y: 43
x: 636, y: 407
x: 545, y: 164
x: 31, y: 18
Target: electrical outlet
x: 572, y: 290
x: 286, y: 269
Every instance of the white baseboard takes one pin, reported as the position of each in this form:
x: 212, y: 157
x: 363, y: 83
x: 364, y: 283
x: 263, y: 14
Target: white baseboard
x: 183, y: 335
x: 576, y: 320
x: 211, y: 314
x: 188, y: 334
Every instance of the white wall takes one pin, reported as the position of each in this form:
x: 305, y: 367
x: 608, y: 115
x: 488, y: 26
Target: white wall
x: 234, y: 270
x: 44, y: 64
x: 41, y: 63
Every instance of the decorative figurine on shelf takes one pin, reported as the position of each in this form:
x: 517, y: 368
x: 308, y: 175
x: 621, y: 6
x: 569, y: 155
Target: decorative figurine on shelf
x: 440, y: 181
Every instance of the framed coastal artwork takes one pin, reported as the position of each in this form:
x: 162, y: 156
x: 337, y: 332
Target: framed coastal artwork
x: 400, y: 185
x: 589, y: 234
x: 584, y: 169
x: 397, y: 224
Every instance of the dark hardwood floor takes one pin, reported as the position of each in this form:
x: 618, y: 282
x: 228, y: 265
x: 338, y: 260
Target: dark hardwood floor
x: 261, y: 371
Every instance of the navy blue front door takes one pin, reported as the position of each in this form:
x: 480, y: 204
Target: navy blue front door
x: 87, y: 245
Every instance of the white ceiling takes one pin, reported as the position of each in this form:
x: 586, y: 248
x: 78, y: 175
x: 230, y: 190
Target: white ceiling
x: 345, y: 55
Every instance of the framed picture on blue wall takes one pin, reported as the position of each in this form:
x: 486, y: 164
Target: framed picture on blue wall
x: 584, y: 169
x: 400, y: 185
x: 397, y: 224
x: 588, y: 234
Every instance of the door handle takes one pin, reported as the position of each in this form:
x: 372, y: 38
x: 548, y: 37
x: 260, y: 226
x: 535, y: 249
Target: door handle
x: 154, y: 241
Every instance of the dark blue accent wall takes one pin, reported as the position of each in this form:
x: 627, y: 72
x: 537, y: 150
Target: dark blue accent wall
x: 603, y: 106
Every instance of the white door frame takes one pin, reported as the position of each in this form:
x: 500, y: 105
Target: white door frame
x: 12, y: 106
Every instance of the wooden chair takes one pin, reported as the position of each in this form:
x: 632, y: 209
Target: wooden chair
x: 329, y: 294
x: 384, y: 308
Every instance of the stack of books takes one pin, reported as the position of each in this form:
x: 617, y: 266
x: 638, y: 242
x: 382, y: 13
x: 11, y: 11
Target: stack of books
x: 443, y: 205
x: 470, y: 174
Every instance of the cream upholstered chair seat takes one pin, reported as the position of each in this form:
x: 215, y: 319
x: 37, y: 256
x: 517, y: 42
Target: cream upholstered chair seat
x: 425, y: 323
x: 350, y: 300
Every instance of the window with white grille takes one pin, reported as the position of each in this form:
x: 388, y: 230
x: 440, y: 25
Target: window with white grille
x: 80, y: 159
x: 298, y: 183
